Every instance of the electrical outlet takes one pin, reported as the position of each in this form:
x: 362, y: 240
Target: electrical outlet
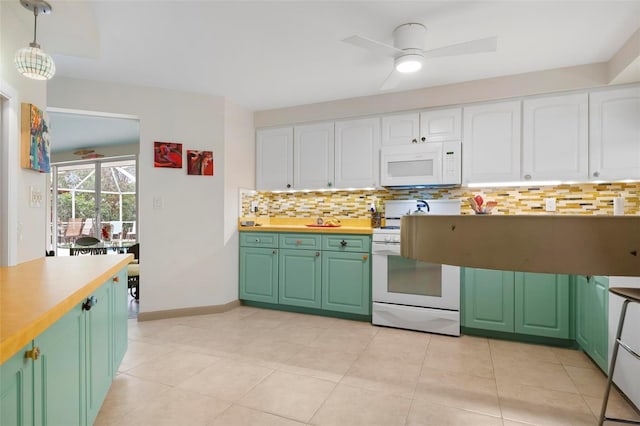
x: 254, y: 207
x: 157, y: 203
x: 550, y: 204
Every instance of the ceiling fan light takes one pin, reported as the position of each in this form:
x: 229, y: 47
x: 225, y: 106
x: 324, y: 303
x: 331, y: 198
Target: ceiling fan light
x: 34, y: 63
x: 409, y: 63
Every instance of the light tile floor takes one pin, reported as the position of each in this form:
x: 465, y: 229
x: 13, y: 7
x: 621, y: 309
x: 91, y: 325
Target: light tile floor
x: 261, y: 367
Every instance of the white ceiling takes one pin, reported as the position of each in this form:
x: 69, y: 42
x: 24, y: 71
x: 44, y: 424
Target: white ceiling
x: 267, y: 54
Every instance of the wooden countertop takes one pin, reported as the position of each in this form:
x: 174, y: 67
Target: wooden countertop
x: 561, y: 244
x: 348, y: 226
x: 35, y: 294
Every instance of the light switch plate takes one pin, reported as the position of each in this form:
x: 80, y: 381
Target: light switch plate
x: 157, y: 203
x: 550, y: 204
x: 35, y: 197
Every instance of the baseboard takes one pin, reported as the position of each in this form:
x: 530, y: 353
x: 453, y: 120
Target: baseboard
x: 186, y: 312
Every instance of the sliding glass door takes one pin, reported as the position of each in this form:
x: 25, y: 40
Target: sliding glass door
x: 96, y: 199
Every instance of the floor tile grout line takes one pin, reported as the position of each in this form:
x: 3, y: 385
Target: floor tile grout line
x: 495, y: 380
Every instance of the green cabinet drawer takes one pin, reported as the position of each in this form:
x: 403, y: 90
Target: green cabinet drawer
x: 300, y: 241
x: 259, y: 239
x: 347, y: 243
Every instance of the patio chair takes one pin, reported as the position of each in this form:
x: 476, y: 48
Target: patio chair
x: 87, y: 227
x: 73, y: 230
x: 133, y: 272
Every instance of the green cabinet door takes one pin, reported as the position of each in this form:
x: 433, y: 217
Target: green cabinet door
x: 600, y: 336
x: 488, y: 299
x: 99, y: 349
x: 346, y: 282
x: 583, y: 311
x: 59, y: 390
x: 542, y: 304
x: 120, y: 319
x: 300, y: 278
x: 259, y: 274
x: 16, y: 390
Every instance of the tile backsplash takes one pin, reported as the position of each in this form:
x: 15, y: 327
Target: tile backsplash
x: 584, y: 198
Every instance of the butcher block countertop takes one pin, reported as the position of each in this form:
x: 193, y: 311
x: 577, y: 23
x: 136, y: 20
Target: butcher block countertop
x: 560, y: 244
x: 347, y: 226
x: 36, y: 294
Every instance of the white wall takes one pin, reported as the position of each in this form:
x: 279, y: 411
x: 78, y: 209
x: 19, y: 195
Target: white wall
x: 185, y: 255
x: 23, y: 233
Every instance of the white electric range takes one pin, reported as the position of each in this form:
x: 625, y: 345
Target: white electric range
x: 408, y: 293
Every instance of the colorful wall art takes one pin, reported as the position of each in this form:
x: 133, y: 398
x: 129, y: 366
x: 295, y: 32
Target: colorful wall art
x: 167, y: 154
x: 200, y: 162
x: 35, y: 143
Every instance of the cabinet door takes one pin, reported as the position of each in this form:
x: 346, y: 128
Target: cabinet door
x: 555, y: 141
x: 300, y: 278
x: 488, y: 299
x: 491, y: 143
x: 357, y: 153
x: 99, y: 349
x: 400, y: 129
x: 542, y: 304
x: 313, y: 156
x: 346, y: 283
x: 584, y: 291
x: 274, y: 159
x: 441, y: 125
x: 59, y: 384
x: 16, y: 390
x: 120, y: 319
x: 259, y: 274
x: 600, y: 321
x: 614, y: 148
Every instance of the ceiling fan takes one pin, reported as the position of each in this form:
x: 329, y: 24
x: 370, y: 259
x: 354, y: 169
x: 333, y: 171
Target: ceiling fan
x: 408, y: 50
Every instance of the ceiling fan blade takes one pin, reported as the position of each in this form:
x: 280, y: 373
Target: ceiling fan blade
x: 488, y: 44
x: 391, y: 81
x: 372, y: 45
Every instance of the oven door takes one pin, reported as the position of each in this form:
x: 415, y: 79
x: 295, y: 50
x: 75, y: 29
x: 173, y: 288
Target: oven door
x: 396, y: 279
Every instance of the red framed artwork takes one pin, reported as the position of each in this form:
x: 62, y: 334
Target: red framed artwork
x: 167, y: 154
x: 199, y: 162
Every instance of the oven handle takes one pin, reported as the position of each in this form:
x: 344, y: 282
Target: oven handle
x: 384, y: 249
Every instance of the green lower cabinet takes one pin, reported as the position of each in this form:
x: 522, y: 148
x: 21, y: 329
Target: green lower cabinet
x: 60, y: 372
x: 120, y: 308
x: 592, y: 316
x: 488, y: 299
x: 300, y: 278
x: 259, y: 274
x: 99, y: 370
x: 542, y: 305
x: 16, y: 390
x: 346, y: 282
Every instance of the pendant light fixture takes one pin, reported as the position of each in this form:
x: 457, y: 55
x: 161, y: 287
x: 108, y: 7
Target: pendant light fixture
x: 32, y: 61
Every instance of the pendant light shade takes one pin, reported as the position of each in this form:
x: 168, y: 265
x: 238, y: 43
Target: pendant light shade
x: 32, y: 61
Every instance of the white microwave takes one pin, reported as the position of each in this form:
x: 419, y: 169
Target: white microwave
x: 429, y: 163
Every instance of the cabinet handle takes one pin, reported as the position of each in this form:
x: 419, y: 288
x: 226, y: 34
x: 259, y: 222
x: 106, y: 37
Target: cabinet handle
x: 527, y: 177
x: 343, y: 243
x: 414, y: 141
x: 288, y: 185
x: 275, y: 252
x: 329, y: 184
x: 588, y: 277
x: 596, y: 174
x: 33, y: 354
x: 423, y: 139
x: 257, y: 240
x: 91, y: 301
x: 116, y: 279
x: 317, y: 253
x: 298, y: 242
x: 365, y: 257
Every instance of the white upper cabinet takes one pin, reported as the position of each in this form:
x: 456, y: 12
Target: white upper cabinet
x: 357, y: 148
x: 441, y: 125
x: 614, y: 120
x: 491, y: 143
x: 400, y: 129
x: 555, y: 139
x: 313, y: 156
x: 274, y: 159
